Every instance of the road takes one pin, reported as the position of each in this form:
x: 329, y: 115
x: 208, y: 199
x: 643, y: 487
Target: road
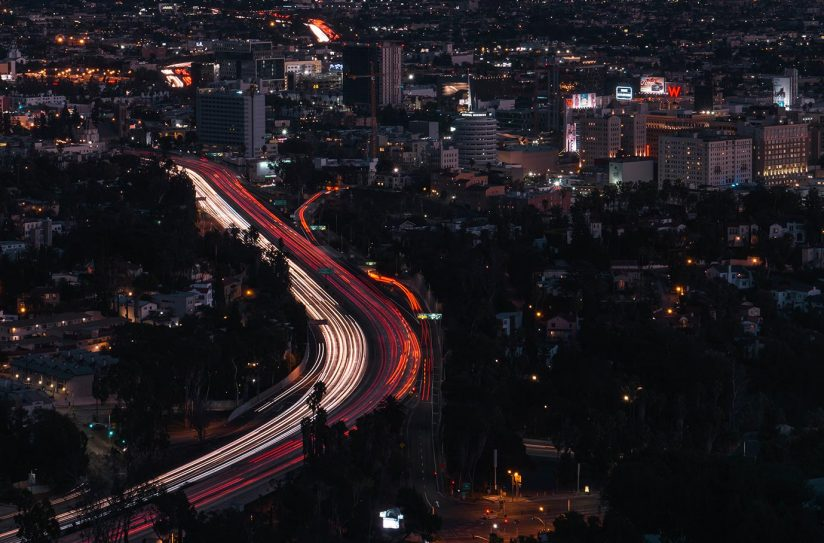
x: 511, y: 518
x: 423, y: 421
x: 370, y: 352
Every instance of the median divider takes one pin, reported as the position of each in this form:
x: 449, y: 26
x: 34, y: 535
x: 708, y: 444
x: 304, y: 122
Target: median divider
x: 275, y: 389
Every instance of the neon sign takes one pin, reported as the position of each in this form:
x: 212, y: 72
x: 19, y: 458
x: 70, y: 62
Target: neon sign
x: 674, y: 91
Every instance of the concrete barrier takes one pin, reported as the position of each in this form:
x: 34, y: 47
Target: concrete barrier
x: 278, y: 387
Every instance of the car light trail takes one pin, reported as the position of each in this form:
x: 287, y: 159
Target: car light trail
x: 357, y: 377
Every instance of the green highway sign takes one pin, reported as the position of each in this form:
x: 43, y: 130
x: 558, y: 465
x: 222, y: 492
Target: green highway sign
x: 325, y: 271
x: 317, y: 227
x: 370, y: 263
x: 279, y: 203
x: 430, y: 316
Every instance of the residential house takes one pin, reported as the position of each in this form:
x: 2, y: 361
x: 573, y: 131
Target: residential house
x: 794, y: 296
x: 549, y: 280
x: 134, y: 309
x: 562, y: 327
x: 750, y: 316
x: 738, y: 276
x: 812, y: 257
x: 794, y: 230
x: 178, y: 303
x: 510, y: 321
x: 741, y: 235
x: 12, y: 249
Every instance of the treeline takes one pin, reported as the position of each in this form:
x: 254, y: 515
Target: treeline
x: 45, y: 443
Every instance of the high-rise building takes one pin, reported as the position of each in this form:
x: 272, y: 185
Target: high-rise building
x: 634, y: 134
x: 705, y: 159
x: 659, y: 125
x: 554, y: 100
x: 779, y: 151
x: 385, y: 61
x: 250, y: 60
x: 476, y: 137
x: 359, y: 62
x: 703, y: 94
x: 231, y: 118
x: 598, y: 137
x: 391, y: 73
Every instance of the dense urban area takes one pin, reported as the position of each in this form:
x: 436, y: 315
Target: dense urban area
x: 379, y: 270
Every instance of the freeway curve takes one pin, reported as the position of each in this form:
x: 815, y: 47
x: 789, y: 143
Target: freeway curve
x: 424, y: 418
x: 369, y: 348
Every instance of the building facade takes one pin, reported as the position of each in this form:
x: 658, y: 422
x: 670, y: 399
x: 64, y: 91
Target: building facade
x: 705, y: 159
x: 231, y: 118
x: 598, y: 138
x: 779, y: 152
x: 391, y: 74
x: 476, y: 137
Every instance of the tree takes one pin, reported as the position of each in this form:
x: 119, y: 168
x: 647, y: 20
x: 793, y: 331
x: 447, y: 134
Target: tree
x: 173, y: 515
x: 58, y: 450
x: 572, y: 527
x: 35, y: 520
x: 314, y: 427
x: 417, y: 515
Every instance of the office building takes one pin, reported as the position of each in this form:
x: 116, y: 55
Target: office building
x: 779, y: 151
x: 634, y: 134
x: 303, y: 67
x: 705, y: 159
x: 476, y: 137
x: 598, y: 138
x: 230, y: 118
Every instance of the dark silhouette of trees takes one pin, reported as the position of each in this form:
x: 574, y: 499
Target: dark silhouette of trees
x: 46, y: 443
x: 35, y: 520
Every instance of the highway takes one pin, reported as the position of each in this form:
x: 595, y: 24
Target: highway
x: 423, y: 421
x: 369, y: 349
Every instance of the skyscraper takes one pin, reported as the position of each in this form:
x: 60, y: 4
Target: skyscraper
x: 391, y: 70
x: 232, y: 118
x: 360, y: 61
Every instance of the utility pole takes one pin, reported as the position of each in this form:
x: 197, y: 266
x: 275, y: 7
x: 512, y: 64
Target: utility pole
x: 495, y: 470
x: 578, y: 483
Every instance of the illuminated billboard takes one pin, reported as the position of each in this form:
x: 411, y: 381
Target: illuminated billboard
x: 178, y: 75
x: 781, y: 91
x: 651, y: 84
x: 585, y: 100
x: 623, y: 92
x: 571, y: 138
x: 674, y: 91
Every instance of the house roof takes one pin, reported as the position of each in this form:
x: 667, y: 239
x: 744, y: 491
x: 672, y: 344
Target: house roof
x: 64, y: 365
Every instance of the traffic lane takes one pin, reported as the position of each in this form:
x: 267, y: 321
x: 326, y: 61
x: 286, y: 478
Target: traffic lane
x: 522, y: 516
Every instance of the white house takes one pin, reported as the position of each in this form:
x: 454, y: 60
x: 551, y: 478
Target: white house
x: 738, y: 276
